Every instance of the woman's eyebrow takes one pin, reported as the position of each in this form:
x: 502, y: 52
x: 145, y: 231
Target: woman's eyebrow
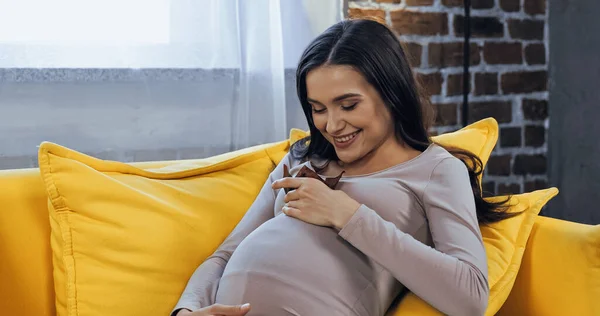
x: 336, y: 99
x: 314, y: 101
x: 345, y: 96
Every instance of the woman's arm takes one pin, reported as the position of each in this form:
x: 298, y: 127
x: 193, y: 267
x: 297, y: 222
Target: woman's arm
x: 202, y: 286
x: 453, y: 276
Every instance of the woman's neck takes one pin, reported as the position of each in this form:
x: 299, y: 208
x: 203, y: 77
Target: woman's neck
x: 387, y: 155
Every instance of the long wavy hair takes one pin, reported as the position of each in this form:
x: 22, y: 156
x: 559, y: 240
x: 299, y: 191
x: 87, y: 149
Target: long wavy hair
x: 375, y: 51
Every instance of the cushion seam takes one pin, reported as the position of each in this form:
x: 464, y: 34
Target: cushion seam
x: 62, y: 211
x: 54, y: 195
x: 68, y: 252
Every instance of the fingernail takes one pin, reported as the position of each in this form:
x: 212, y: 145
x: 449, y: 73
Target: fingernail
x: 247, y: 305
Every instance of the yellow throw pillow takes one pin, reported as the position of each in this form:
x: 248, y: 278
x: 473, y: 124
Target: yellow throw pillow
x: 504, y: 243
x: 479, y: 138
x: 125, y: 240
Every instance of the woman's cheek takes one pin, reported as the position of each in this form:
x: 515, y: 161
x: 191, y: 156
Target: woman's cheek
x: 319, y: 122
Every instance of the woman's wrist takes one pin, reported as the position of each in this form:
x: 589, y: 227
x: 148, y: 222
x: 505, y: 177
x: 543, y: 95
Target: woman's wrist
x: 348, y: 208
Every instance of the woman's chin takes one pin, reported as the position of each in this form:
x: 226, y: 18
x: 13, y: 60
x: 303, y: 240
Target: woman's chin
x: 346, y: 157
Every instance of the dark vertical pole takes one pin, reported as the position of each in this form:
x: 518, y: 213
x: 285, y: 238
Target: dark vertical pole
x: 467, y: 60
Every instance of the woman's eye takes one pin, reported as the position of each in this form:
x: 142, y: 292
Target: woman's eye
x: 349, y: 107
x: 318, y: 111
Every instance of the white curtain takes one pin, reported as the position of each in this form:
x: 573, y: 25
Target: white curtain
x: 151, y: 74
x: 269, y: 38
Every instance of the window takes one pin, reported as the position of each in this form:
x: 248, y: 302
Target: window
x: 139, y: 76
x: 150, y: 33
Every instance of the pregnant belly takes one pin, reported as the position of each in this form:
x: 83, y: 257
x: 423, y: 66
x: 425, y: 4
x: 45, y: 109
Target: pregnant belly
x: 289, y: 267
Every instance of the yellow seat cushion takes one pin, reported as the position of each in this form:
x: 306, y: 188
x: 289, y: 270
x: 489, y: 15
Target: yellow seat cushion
x: 560, y: 272
x: 505, y: 243
x: 126, y: 239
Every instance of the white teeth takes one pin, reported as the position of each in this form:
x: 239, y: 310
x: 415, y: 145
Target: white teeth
x: 346, y: 138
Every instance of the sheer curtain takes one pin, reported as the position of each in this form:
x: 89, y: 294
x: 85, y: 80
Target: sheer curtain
x: 148, y: 75
x: 269, y: 38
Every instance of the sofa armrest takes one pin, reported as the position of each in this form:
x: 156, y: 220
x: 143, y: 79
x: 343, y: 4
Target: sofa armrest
x: 26, y: 284
x: 560, y: 271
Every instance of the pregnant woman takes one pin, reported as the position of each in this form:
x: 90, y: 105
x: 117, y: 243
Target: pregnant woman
x: 405, y: 214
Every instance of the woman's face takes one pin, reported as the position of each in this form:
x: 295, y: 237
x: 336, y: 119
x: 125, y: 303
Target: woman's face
x: 348, y: 111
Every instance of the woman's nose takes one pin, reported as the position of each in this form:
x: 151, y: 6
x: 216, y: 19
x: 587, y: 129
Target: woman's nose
x: 335, y: 124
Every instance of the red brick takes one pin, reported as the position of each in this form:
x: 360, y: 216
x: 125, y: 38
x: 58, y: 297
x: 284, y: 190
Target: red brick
x: 363, y: 13
x: 454, y: 84
x: 419, y: 23
x: 535, y: 54
x: 500, y: 110
x: 414, y: 52
x: 526, y: 29
x: 482, y: 4
x: 445, y: 114
x: 509, y: 188
x: 533, y: 7
x: 530, y: 164
x: 480, y: 26
x: 419, y: 2
x: 535, y: 136
x: 486, y: 83
x: 535, y: 185
x: 453, y: 3
x: 510, y: 137
x: 432, y: 83
x: 524, y: 82
x: 451, y: 54
x: 510, y: 5
x: 535, y: 110
x: 499, y: 165
x: 496, y: 53
x: 475, y: 4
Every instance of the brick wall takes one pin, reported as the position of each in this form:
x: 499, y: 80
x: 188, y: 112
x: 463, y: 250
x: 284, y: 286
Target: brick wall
x: 508, y: 74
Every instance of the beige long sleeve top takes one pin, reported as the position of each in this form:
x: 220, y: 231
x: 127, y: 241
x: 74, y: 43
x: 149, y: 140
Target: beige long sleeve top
x: 416, y: 229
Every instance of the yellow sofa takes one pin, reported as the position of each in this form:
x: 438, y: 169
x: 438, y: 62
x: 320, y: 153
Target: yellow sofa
x: 558, y: 274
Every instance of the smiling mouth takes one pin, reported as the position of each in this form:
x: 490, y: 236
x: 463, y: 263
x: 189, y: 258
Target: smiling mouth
x: 347, y: 138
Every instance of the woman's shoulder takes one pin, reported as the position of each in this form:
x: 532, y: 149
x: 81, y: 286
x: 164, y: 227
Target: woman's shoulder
x: 436, y: 161
x: 443, y: 163
x: 438, y: 152
x: 430, y: 158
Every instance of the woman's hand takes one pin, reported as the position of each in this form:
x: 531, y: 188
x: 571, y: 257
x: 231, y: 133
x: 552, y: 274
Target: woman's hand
x: 315, y: 203
x: 217, y: 310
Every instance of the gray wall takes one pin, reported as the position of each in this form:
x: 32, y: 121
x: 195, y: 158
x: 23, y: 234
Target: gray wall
x: 121, y: 114
x: 574, y: 135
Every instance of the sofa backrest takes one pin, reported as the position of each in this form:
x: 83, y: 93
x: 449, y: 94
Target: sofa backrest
x: 559, y: 275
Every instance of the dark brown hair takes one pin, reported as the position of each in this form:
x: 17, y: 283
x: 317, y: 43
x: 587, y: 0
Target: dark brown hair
x: 375, y: 51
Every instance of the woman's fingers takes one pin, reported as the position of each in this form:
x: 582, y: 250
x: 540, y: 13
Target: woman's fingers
x: 291, y: 183
x: 292, y: 196
x: 290, y: 211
